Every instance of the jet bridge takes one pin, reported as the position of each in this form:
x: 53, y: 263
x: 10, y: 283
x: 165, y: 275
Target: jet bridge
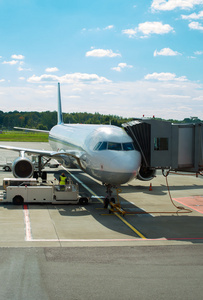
x: 164, y: 145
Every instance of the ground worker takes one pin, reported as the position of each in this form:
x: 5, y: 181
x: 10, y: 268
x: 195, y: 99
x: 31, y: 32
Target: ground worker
x: 62, y: 179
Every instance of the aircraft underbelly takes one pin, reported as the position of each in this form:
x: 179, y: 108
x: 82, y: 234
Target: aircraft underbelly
x: 113, y: 178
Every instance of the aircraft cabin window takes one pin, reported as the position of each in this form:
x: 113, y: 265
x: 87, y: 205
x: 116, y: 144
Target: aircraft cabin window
x: 128, y: 146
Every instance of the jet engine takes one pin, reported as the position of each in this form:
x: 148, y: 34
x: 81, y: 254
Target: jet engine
x: 146, y: 173
x: 22, y: 167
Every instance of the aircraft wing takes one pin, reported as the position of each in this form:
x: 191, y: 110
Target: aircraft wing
x: 31, y: 129
x: 48, y: 153
x: 27, y: 150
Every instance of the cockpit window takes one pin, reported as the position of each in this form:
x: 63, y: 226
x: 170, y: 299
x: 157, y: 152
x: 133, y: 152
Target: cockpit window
x: 103, y: 146
x: 128, y: 146
x: 100, y: 146
x: 114, y: 146
x: 97, y: 146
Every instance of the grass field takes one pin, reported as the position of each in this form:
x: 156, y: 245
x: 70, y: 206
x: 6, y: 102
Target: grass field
x: 19, y: 136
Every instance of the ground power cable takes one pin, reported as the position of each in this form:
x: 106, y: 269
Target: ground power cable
x: 186, y: 210
x: 181, y: 209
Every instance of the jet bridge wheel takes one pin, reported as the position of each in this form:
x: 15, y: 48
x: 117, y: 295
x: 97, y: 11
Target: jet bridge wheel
x: 18, y: 200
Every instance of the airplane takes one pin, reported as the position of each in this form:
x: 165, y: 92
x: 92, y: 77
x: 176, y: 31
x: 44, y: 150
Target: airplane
x: 105, y: 152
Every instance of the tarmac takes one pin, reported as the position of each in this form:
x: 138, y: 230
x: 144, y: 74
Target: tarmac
x: 152, y: 215
x: 158, y: 228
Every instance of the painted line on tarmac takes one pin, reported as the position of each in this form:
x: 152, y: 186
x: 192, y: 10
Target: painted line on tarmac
x: 130, y: 226
x: 28, y: 231
x: 86, y: 187
x: 28, y: 235
x: 115, y: 240
x: 116, y: 214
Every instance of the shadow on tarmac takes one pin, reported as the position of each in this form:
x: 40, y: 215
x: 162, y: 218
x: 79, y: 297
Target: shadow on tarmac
x: 174, y: 227
x: 158, y: 190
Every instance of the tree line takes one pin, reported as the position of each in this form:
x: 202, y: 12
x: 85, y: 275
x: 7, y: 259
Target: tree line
x: 46, y: 120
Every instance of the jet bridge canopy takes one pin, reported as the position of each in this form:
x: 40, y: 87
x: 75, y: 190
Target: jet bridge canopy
x: 164, y: 145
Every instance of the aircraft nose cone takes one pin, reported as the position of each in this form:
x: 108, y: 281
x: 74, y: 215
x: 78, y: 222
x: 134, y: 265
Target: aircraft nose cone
x: 129, y: 162
x: 125, y: 166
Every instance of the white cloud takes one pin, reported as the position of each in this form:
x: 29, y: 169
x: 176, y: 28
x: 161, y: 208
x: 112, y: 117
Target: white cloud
x: 171, y: 96
x: 68, y: 78
x: 20, y: 57
x: 121, y: 66
x: 154, y: 27
x: 148, y: 28
x: 193, y: 16
x: 51, y: 70
x: 130, y: 32
x: 12, y: 62
x: 102, y: 53
x: 164, y: 77
x: 200, y: 98
x: 73, y: 96
x: 166, y: 52
x: 17, y: 59
x: 24, y: 69
x: 98, y: 29
x: 22, y: 78
x: 198, y: 52
x: 137, y: 96
x: 117, y: 69
x: 173, y: 4
x: 109, y: 27
x: 195, y: 26
x: 2, y: 80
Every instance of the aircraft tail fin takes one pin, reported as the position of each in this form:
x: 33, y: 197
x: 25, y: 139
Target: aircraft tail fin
x: 60, y: 115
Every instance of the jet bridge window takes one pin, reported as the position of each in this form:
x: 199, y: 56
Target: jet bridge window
x: 161, y: 144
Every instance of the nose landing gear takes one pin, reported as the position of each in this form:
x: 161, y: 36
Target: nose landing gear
x: 108, y: 197
x: 111, y: 203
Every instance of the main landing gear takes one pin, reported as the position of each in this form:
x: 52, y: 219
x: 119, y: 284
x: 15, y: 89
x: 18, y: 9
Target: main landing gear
x: 41, y: 163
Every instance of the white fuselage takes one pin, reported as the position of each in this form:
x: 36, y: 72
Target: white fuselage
x: 105, y: 151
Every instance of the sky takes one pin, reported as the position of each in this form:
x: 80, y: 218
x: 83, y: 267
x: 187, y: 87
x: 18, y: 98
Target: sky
x: 128, y: 58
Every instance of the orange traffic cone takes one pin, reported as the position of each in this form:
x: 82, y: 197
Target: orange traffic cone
x: 150, y: 187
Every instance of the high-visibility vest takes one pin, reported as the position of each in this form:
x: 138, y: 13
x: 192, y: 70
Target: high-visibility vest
x: 62, y: 180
